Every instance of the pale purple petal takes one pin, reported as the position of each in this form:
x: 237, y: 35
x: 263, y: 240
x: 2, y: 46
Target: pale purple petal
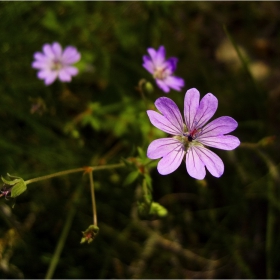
x: 207, y: 108
x: 171, y: 112
x: 64, y: 76
x: 50, y: 78
x: 162, y: 123
x: 45, y: 73
x: 174, y: 82
x: 224, y: 142
x: 47, y: 49
x: 191, y: 104
x: 219, y: 126
x: 71, y: 70
x: 162, y: 85
x: 198, y: 157
x: 171, y: 161
x: 40, y: 57
x: 148, y: 65
x: 194, y: 164
x: 213, y: 163
x: 57, y: 50
x: 39, y: 64
x: 161, y: 147
x: 172, y: 63
x: 70, y: 55
x: 158, y: 57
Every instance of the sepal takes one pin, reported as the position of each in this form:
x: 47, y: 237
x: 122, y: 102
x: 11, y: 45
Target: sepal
x: 89, y: 234
x: 16, y: 186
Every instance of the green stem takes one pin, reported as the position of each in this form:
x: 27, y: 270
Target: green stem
x: 243, y: 61
x: 63, y: 236
x: 269, y: 232
x: 273, y: 179
x: 93, y: 199
x: 75, y: 170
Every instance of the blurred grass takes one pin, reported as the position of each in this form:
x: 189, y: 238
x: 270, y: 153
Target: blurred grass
x: 100, y: 117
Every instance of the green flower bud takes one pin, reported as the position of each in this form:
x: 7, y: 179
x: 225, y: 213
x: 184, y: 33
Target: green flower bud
x: 89, y: 234
x: 13, y: 187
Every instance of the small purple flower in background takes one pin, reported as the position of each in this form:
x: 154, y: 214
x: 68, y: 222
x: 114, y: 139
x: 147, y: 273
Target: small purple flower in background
x: 162, y: 69
x: 55, y: 63
x: 190, y: 139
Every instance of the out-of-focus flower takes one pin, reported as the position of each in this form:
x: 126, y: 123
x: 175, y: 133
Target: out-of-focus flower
x: 54, y: 63
x: 190, y: 139
x: 162, y: 70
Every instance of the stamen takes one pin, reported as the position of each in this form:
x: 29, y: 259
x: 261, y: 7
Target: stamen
x: 160, y: 73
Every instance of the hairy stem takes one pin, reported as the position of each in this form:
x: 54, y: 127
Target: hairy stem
x: 93, y: 199
x: 75, y: 170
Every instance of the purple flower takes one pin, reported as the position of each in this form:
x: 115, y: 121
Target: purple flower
x: 190, y: 138
x: 162, y: 69
x: 55, y: 63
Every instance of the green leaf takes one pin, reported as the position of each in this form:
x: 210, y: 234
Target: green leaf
x: 141, y: 153
x: 18, y: 188
x: 131, y: 178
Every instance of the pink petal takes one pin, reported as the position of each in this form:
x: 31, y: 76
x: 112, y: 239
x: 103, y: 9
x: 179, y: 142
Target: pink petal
x: 171, y: 112
x: 57, y: 50
x: 44, y: 73
x: 219, y: 126
x: 191, y: 104
x: 158, y: 57
x: 70, y: 55
x: 162, y: 123
x: 171, y: 161
x: 39, y: 64
x: 161, y: 147
x: 195, y: 166
x: 148, y: 65
x: 197, y: 157
x: 162, y: 85
x: 39, y: 56
x: 174, y: 82
x: 71, y: 70
x: 207, y: 108
x: 64, y: 76
x: 50, y: 78
x: 152, y: 52
x: 171, y: 63
x: 224, y: 142
x: 47, y: 49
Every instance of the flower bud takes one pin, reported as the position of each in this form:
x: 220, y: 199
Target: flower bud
x: 89, y: 234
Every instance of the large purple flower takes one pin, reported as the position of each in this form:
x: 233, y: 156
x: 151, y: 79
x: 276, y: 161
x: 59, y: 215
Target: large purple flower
x: 162, y: 69
x: 190, y: 139
x: 55, y: 63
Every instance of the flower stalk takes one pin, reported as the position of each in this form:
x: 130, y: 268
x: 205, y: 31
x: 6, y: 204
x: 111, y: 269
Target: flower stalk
x: 75, y: 170
x: 93, y: 199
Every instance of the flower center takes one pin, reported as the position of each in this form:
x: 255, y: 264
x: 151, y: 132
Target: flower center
x: 56, y: 65
x: 188, y: 139
x: 161, y: 73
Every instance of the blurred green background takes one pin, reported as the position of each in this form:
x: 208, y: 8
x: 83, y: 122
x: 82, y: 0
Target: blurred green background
x: 215, y: 228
